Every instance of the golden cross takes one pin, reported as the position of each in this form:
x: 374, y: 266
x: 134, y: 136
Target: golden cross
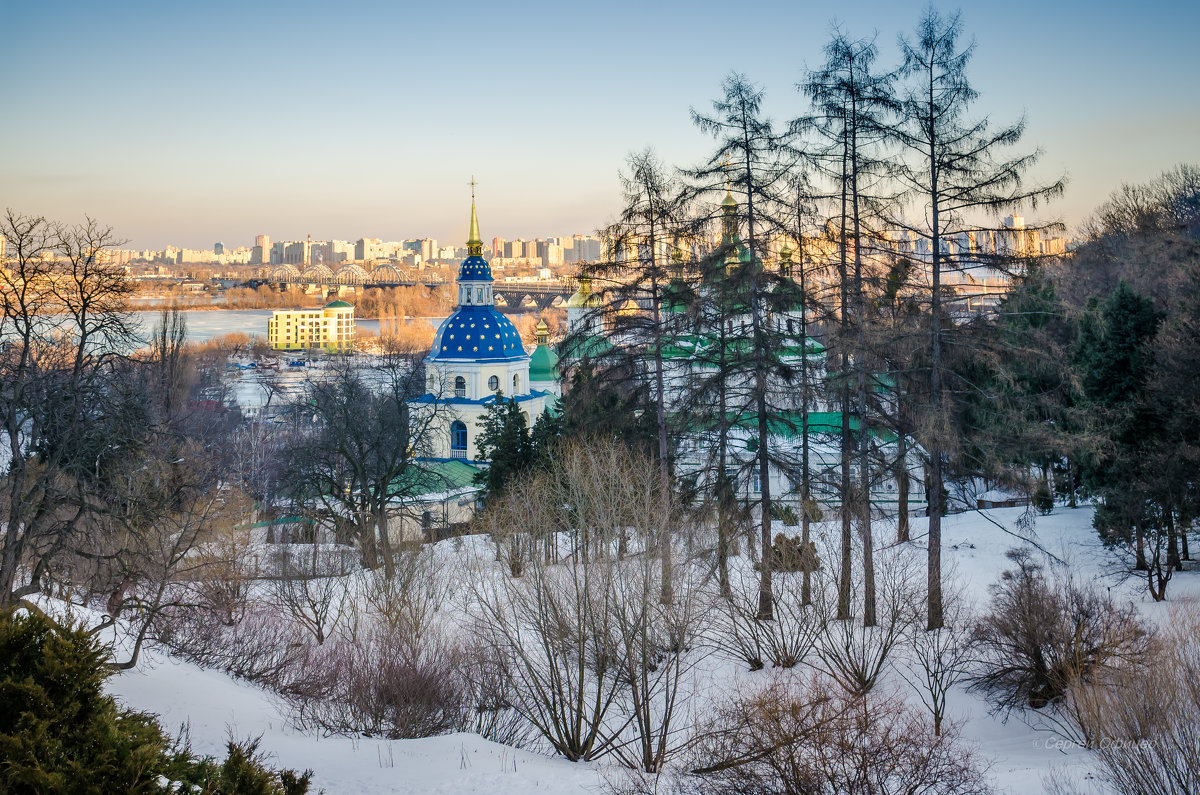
x: 473, y: 184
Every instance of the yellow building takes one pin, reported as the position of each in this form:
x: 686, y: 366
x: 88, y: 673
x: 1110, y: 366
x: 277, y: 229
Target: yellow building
x: 329, y: 328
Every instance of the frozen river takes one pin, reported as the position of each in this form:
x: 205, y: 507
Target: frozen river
x: 258, y: 387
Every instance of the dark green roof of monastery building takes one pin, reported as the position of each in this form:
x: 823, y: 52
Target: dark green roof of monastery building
x: 590, y: 347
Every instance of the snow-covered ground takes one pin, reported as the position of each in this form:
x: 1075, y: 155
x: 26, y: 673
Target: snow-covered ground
x: 216, y: 706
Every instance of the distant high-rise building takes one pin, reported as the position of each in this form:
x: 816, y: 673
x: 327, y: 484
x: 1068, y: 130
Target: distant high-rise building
x: 218, y: 248
x: 587, y: 248
x: 298, y: 253
x: 428, y: 249
x: 261, y: 253
x: 340, y: 251
x: 364, y: 248
x: 498, y: 246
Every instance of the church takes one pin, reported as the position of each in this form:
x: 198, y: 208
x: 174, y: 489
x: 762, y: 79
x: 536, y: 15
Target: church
x: 805, y: 426
x: 477, y: 359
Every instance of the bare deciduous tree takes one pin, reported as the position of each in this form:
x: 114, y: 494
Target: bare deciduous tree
x: 307, y: 592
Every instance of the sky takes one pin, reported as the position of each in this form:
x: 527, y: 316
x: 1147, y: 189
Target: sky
x: 189, y: 123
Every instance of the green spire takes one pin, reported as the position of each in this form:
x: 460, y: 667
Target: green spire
x: 474, y: 243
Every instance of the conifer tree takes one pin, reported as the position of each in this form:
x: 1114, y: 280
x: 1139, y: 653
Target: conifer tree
x: 956, y: 173
x: 851, y: 102
x: 751, y: 158
x: 633, y: 282
x: 504, y: 443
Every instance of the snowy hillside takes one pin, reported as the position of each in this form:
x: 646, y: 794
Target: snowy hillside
x: 216, y: 705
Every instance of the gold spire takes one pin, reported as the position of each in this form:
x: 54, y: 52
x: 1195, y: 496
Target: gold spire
x: 474, y: 244
x: 542, y: 332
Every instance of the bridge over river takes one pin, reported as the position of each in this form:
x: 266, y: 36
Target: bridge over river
x: 515, y: 296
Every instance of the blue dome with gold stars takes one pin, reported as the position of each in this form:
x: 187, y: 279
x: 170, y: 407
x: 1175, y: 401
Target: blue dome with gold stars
x: 475, y: 269
x: 477, y: 333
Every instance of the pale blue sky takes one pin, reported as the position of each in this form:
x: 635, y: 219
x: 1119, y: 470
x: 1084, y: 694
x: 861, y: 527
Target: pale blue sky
x: 193, y: 123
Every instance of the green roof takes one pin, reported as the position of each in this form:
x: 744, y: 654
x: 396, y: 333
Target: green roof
x: 691, y: 346
x: 338, y: 305
x: 790, y: 423
x: 282, y: 520
x: 543, y: 365
x: 589, y: 347
x: 437, y: 477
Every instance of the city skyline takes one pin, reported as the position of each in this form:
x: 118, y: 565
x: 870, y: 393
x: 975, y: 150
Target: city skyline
x: 181, y: 125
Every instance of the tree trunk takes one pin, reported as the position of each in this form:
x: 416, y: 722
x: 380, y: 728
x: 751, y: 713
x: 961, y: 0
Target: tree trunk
x: 847, y: 507
x: 385, y: 545
x: 368, y: 550
x: 902, y: 488
x: 805, y: 464
x: 726, y: 493
x: 1139, y: 540
x: 723, y: 506
x: 667, y: 595
x: 765, y: 593
x: 1172, y: 541
x: 847, y: 542
x: 864, y: 438
x: 1071, y: 500
x: 935, y: 617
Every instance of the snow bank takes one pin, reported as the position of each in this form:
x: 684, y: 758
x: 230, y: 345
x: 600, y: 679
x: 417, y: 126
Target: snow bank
x: 975, y: 544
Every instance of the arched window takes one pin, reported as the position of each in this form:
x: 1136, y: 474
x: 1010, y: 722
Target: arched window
x: 460, y: 386
x: 479, y: 295
x: 493, y: 383
x: 516, y: 384
x: 458, y: 439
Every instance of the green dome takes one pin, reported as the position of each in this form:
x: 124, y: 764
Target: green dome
x: 543, y: 365
x: 338, y: 305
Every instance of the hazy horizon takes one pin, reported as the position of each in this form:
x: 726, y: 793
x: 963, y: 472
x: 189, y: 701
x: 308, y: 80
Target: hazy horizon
x: 192, y: 124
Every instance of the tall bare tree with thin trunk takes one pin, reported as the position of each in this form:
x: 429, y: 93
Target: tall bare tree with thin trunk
x: 851, y: 103
x: 752, y: 160
x: 957, y: 174
x: 638, y: 269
